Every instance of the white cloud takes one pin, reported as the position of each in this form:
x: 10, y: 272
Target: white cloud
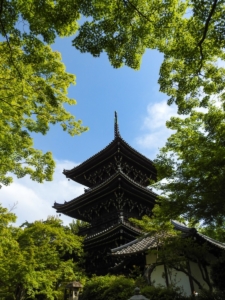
x: 154, y: 126
x: 34, y: 200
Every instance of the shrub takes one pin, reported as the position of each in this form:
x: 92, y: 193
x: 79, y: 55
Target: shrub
x: 121, y: 289
x: 108, y: 288
x: 158, y: 293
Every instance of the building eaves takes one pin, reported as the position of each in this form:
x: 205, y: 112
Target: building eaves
x: 148, y: 242
x: 193, y: 231
x: 67, y: 172
x: 212, y: 241
x: 139, y: 245
x: 112, y: 228
x: 115, y: 141
x: 100, y: 186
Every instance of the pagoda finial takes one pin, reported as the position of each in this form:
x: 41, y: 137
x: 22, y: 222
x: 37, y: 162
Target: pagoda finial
x: 116, y: 126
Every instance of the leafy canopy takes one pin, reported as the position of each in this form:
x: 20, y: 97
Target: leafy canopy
x: 34, y: 83
x: 38, y: 258
x: 193, y: 162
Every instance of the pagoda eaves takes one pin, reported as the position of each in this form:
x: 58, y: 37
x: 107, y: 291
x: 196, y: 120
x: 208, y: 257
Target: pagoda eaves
x: 110, y: 190
x: 118, y: 153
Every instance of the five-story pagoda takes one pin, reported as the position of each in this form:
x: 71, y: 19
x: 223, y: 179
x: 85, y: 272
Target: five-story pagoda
x: 116, y: 179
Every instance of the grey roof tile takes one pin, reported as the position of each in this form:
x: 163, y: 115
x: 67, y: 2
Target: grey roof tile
x: 114, y: 226
x: 139, y: 245
x: 148, y: 242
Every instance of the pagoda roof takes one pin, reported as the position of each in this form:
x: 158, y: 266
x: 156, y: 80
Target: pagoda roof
x: 112, y: 234
x: 117, y: 146
x: 119, y: 180
x: 148, y: 241
x: 110, y: 229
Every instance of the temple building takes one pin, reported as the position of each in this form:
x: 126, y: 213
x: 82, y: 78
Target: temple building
x: 117, y: 180
x: 190, y: 273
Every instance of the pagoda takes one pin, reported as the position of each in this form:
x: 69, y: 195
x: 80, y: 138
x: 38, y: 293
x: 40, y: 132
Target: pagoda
x: 117, y: 180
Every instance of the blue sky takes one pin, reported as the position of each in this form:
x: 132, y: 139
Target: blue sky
x: 100, y: 90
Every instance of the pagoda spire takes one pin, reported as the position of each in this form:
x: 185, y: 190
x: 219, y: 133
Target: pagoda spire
x: 116, y: 126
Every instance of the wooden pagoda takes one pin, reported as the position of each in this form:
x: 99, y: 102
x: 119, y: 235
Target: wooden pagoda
x: 116, y: 179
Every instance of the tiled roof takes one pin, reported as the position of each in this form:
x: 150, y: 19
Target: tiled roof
x: 113, y: 227
x: 139, y: 245
x: 105, y: 183
x: 117, y: 139
x: 89, y: 159
x: 185, y: 229
x: 149, y: 242
x: 212, y: 241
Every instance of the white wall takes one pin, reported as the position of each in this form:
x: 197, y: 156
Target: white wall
x: 157, y: 276
x: 176, y: 278
x: 180, y: 280
x: 195, y: 271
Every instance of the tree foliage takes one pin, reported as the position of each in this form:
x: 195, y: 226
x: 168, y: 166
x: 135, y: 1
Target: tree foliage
x: 76, y: 225
x: 156, y: 224
x: 108, y: 287
x: 214, y: 231
x: 125, y: 29
x: 34, y: 83
x: 34, y: 259
x: 193, y: 163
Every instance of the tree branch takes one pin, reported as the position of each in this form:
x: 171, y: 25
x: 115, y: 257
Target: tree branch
x: 138, y: 11
x: 188, y: 274
x: 205, y: 32
x: 205, y: 276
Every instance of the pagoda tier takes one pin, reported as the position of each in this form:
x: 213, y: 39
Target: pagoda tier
x: 117, y: 197
x: 99, y: 245
x: 106, y: 162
